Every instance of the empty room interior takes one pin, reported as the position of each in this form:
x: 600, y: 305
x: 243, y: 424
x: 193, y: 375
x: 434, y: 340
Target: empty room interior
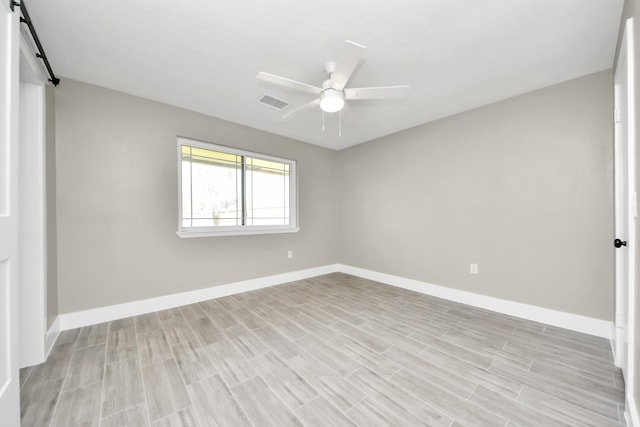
x: 285, y: 213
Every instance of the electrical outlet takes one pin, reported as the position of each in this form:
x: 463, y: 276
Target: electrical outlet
x: 289, y: 254
x: 473, y: 268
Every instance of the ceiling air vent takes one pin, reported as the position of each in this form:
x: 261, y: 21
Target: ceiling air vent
x: 273, y: 102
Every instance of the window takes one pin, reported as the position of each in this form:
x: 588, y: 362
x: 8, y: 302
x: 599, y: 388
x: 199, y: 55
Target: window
x: 224, y: 191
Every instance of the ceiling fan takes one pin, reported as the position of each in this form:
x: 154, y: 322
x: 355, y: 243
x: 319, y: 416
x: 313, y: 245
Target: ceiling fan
x: 332, y: 95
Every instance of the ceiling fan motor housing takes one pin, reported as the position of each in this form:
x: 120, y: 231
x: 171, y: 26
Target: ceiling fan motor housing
x: 329, y: 67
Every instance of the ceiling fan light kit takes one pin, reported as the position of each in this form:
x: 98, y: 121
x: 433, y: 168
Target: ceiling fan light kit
x: 332, y: 95
x: 331, y: 100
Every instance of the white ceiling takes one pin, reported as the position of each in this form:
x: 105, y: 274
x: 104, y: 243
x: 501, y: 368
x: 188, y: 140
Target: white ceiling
x: 203, y: 55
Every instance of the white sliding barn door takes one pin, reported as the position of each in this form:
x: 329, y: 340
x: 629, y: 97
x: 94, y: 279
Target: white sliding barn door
x: 9, y: 374
x: 625, y: 207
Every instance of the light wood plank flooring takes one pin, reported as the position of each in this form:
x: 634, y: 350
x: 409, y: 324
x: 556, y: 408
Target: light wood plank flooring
x: 335, y: 350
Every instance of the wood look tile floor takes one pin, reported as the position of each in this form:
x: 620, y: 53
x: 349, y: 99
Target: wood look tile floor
x: 335, y: 350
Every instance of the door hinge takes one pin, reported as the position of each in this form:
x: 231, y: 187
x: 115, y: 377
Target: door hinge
x: 617, y: 116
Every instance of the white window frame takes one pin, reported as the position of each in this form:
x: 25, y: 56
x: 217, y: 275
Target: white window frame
x: 241, y: 230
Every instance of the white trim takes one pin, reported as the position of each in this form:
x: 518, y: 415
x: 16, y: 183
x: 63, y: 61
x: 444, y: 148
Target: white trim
x: 32, y: 293
x: 183, y: 140
x: 588, y: 325
x: 9, y: 217
x: 622, y: 204
x: 237, y: 231
x: 574, y: 322
x: 612, y: 343
x: 52, y: 336
x: 113, y: 312
x: 625, y: 334
x: 631, y: 382
x: 213, y: 231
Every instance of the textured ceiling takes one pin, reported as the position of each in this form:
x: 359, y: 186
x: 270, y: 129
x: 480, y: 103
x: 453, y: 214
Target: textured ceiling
x: 204, y: 55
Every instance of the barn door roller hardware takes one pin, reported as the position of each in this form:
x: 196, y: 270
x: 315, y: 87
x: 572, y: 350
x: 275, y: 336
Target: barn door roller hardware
x: 26, y: 19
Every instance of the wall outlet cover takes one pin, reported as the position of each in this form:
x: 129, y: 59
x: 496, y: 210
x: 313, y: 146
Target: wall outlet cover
x: 473, y: 268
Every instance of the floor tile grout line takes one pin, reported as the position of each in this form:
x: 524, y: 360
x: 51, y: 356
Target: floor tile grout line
x: 122, y: 411
x: 585, y: 359
x: 64, y: 382
x: 26, y: 379
x: 321, y: 396
x: 423, y: 355
x: 507, y: 420
x: 542, y: 410
x: 240, y: 404
x: 419, y: 398
x: 549, y: 414
x: 571, y: 387
x: 251, y: 362
x: 173, y: 356
x: 468, y: 398
x: 573, y: 373
x: 210, y: 360
x: 104, y: 373
x: 277, y: 396
x: 139, y: 366
x: 225, y: 384
x: 177, y: 411
x: 320, y: 392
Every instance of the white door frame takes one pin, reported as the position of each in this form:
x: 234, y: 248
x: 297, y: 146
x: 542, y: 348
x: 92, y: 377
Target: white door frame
x: 624, y: 195
x: 625, y: 333
x: 32, y: 205
x: 9, y: 356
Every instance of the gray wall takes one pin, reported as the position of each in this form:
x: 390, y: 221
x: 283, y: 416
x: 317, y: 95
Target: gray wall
x: 523, y: 187
x: 52, y: 231
x: 117, y: 202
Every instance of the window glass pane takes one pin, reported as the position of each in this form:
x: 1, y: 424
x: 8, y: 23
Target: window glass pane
x: 223, y: 189
x: 213, y: 197
x: 186, y: 187
x: 267, y: 192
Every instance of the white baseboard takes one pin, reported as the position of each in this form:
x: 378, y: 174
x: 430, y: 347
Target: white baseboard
x: 40, y: 354
x: 612, y: 344
x: 52, y: 336
x: 118, y: 311
x: 574, y: 322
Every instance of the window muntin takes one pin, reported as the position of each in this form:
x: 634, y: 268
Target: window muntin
x: 228, y: 191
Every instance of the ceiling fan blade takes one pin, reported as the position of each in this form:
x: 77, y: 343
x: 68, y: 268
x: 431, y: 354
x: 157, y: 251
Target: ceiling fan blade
x: 385, y: 92
x: 291, y: 84
x: 349, y: 58
x: 303, y: 107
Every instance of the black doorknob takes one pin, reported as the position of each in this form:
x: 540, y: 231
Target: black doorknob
x: 617, y: 243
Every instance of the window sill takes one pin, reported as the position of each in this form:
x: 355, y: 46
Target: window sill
x: 249, y: 232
